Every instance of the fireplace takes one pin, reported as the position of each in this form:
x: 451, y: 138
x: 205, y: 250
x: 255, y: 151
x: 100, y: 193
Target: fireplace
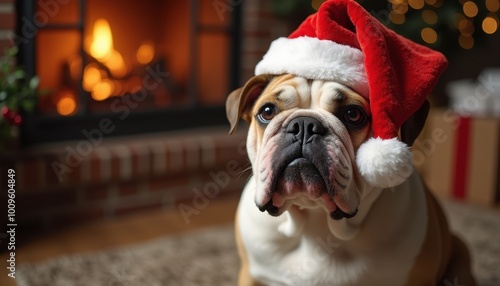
x: 197, y: 43
x: 147, y: 66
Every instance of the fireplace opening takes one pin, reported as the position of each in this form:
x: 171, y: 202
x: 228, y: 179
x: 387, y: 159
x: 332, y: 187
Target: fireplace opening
x: 148, y: 66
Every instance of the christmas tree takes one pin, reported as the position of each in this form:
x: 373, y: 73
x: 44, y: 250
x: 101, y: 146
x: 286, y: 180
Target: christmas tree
x: 443, y: 25
x: 447, y: 26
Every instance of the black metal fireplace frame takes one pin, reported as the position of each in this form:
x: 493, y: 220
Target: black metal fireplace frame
x: 38, y: 128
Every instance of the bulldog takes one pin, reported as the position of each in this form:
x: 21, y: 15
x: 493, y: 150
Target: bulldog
x: 307, y: 216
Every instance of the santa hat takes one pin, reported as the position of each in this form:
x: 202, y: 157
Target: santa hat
x: 344, y: 43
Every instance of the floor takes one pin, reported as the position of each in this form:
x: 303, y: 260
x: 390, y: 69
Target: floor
x: 124, y: 231
x: 119, y: 232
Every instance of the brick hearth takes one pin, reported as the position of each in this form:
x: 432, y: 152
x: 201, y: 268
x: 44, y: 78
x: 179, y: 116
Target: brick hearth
x: 124, y: 175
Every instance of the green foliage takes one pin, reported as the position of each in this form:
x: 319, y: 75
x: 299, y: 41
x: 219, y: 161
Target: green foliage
x: 286, y: 8
x: 294, y: 11
x: 18, y: 91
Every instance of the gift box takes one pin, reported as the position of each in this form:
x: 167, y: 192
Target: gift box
x: 459, y: 156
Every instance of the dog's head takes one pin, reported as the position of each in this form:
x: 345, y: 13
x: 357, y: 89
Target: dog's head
x: 303, y: 141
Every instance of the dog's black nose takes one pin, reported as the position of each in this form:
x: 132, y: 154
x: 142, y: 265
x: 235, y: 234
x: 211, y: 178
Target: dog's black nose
x: 304, y: 128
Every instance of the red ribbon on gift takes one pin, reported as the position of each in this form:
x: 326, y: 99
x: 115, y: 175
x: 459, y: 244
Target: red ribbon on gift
x: 462, y: 150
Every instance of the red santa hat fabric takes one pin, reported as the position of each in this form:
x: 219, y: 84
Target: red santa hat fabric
x: 344, y: 43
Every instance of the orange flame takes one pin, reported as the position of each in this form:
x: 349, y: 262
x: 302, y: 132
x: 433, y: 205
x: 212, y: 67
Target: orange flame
x: 102, y: 41
x: 101, y: 48
x: 66, y: 106
x: 145, y: 53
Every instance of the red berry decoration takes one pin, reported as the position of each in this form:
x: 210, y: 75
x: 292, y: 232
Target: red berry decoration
x: 18, y: 120
x: 11, y: 115
x: 5, y: 112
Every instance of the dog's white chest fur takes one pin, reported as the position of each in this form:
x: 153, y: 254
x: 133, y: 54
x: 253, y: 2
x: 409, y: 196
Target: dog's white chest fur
x: 301, y: 249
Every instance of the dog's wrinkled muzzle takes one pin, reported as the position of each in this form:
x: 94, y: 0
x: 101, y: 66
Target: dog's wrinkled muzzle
x: 304, y: 172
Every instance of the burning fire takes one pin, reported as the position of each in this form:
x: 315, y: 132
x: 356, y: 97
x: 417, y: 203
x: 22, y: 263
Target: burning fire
x: 102, y: 42
x: 102, y: 49
x: 91, y: 77
x: 107, y: 74
x: 145, y: 53
x: 95, y: 79
x: 66, y: 105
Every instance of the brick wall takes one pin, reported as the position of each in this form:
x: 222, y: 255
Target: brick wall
x: 260, y: 28
x: 7, y: 23
x: 123, y: 176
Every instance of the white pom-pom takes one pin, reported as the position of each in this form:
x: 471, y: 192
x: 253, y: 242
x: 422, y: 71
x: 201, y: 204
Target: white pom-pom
x: 384, y: 163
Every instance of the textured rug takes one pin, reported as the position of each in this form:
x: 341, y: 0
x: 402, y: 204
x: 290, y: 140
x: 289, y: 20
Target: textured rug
x: 208, y: 257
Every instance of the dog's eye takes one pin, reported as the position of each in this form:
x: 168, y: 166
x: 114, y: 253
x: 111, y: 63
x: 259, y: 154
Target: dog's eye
x: 266, y: 113
x: 354, y: 116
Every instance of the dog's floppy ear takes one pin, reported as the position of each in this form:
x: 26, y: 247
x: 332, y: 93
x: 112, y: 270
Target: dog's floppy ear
x: 414, y: 125
x: 239, y: 102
